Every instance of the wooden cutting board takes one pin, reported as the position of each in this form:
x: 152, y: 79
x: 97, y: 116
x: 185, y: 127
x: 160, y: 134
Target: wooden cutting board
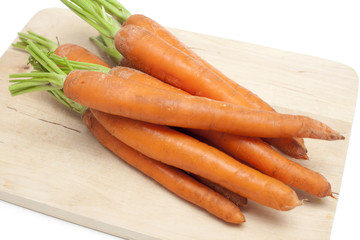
x: 50, y: 162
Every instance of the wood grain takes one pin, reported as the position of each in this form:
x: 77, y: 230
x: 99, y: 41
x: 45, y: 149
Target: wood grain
x: 50, y: 162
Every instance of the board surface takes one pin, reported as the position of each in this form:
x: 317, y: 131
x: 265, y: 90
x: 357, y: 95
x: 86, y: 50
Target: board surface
x: 50, y: 163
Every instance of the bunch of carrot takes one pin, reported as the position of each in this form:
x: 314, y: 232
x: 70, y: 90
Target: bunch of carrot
x: 220, y: 152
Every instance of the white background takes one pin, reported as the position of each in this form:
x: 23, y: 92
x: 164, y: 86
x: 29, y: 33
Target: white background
x: 327, y: 29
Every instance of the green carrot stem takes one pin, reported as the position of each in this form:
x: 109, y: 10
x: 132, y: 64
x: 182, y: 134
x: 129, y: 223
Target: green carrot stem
x: 18, y: 89
x: 35, y: 81
x: 41, y: 57
x: 106, y: 16
x: 36, y: 74
x: 92, y: 13
x: 38, y: 80
x: 117, y: 10
x: 40, y: 40
x: 107, y: 45
x: 20, y: 45
x: 71, y: 65
x: 60, y: 96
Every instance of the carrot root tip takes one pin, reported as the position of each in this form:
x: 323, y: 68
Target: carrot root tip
x: 334, y: 197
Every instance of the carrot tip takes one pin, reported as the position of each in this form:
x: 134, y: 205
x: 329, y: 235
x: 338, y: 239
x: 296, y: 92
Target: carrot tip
x: 236, y: 218
x: 338, y: 136
x: 303, y: 156
x: 335, y: 136
x: 241, y: 219
x: 334, y: 197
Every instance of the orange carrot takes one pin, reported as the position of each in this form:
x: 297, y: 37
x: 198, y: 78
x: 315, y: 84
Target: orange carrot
x: 171, y: 178
x: 119, y: 96
x: 293, y: 147
x: 179, y: 150
x: 250, y: 150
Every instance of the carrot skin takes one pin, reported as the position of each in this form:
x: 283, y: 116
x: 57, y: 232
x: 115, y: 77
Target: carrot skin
x: 293, y: 147
x: 77, y: 53
x: 171, y: 178
x: 119, y: 96
x: 138, y: 76
x: 179, y: 150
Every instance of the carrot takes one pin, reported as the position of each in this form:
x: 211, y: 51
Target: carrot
x: 250, y: 150
x: 171, y: 178
x: 119, y: 96
x: 238, y: 200
x: 72, y: 52
x: 179, y: 150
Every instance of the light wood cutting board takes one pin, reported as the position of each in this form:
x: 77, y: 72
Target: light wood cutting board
x: 50, y: 162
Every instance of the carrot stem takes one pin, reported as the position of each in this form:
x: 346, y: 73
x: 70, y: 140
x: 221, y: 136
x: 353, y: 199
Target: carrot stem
x: 35, y: 81
x: 92, y: 13
x: 60, y: 96
x: 18, y: 89
x: 68, y: 65
x: 40, y: 56
x: 117, y: 10
x: 43, y: 42
x: 96, y: 13
x: 107, y: 45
